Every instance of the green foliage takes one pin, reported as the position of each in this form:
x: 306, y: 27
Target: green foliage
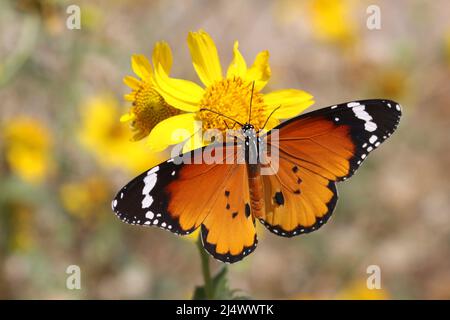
x: 220, y: 289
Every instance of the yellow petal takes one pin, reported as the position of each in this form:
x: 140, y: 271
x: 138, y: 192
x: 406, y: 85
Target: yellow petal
x: 205, y: 57
x: 182, y: 94
x: 238, y: 67
x: 132, y: 82
x: 172, y: 131
x: 130, y: 96
x: 162, y: 55
x: 141, y: 66
x: 127, y: 117
x: 291, y: 102
x: 260, y: 70
x: 195, y: 141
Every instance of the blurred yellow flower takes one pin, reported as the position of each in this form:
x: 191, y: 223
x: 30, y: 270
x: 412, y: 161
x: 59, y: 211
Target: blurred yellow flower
x: 20, y: 227
x: 229, y: 95
x: 332, y: 21
x: 149, y: 106
x: 85, y: 198
x: 108, y: 140
x: 28, y: 147
x: 357, y: 290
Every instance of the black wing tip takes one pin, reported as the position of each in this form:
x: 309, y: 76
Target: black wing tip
x: 227, y: 257
x: 331, y: 205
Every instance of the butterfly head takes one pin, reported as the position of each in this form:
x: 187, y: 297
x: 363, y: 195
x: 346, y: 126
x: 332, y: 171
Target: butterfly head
x: 248, y: 130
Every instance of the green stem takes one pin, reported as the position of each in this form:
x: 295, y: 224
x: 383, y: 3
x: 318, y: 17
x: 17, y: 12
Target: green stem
x: 205, y: 270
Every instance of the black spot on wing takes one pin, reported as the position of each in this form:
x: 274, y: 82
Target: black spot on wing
x: 247, y: 210
x: 331, y: 205
x: 227, y: 257
x: 278, y: 198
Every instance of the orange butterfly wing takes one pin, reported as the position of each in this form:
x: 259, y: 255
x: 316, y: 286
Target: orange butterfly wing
x: 180, y: 196
x: 315, y: 151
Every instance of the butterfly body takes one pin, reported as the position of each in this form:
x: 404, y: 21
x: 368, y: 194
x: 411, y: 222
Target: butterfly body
x: 291, y: 191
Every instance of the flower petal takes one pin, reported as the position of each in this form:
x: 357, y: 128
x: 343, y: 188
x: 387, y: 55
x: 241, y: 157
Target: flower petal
x: 162, y: 55
x: 205, y: 57
x: 127, y: 117
x: 290, y: 101
x: 132, y: 82
x: 141, y: 66
x: 172, y: 131
x: 195, y: 141
x: 238, y: 67
x: 130, y: 96
x: 182, y: 94
x: 260, y: 70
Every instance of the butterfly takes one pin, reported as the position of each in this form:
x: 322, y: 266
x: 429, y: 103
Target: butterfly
x: 296, y: 195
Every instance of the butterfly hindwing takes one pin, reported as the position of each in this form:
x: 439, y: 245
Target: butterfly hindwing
x: 228, y: 232
x: 297, y: 200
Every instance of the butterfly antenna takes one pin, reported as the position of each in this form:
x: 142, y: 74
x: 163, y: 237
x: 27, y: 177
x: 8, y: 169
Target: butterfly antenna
x: 267, y: 120
x: 251, y: 99
x: 221, y: 114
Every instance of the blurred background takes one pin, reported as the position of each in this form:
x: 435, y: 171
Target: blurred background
x: 64, y: 153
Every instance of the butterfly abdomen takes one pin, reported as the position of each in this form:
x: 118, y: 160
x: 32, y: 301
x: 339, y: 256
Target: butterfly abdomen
x: 255, y: 184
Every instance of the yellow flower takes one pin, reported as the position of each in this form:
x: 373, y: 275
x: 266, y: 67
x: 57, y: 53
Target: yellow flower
x: 149, y: 106
x: 229, y: 95
x: 332, y: 22
x: 357, y: 290
x: 28, y: 145
x: 108, y: 140
x: 21, y: 227
x: 85, y: 198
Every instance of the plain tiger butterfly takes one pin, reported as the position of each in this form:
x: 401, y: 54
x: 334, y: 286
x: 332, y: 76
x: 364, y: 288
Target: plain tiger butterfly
x: 315, y: 151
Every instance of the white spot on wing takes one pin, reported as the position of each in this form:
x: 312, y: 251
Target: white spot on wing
x: 373, y: 138
x: 362, y: 114
x: 147, y: 201
x: 149, y: 215
x: 352, y: 104
x: 153, y: 170
x: 149, y: 182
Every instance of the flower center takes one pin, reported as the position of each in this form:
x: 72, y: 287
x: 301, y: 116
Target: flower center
x: 231, y: 97
x: 149, y: 109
